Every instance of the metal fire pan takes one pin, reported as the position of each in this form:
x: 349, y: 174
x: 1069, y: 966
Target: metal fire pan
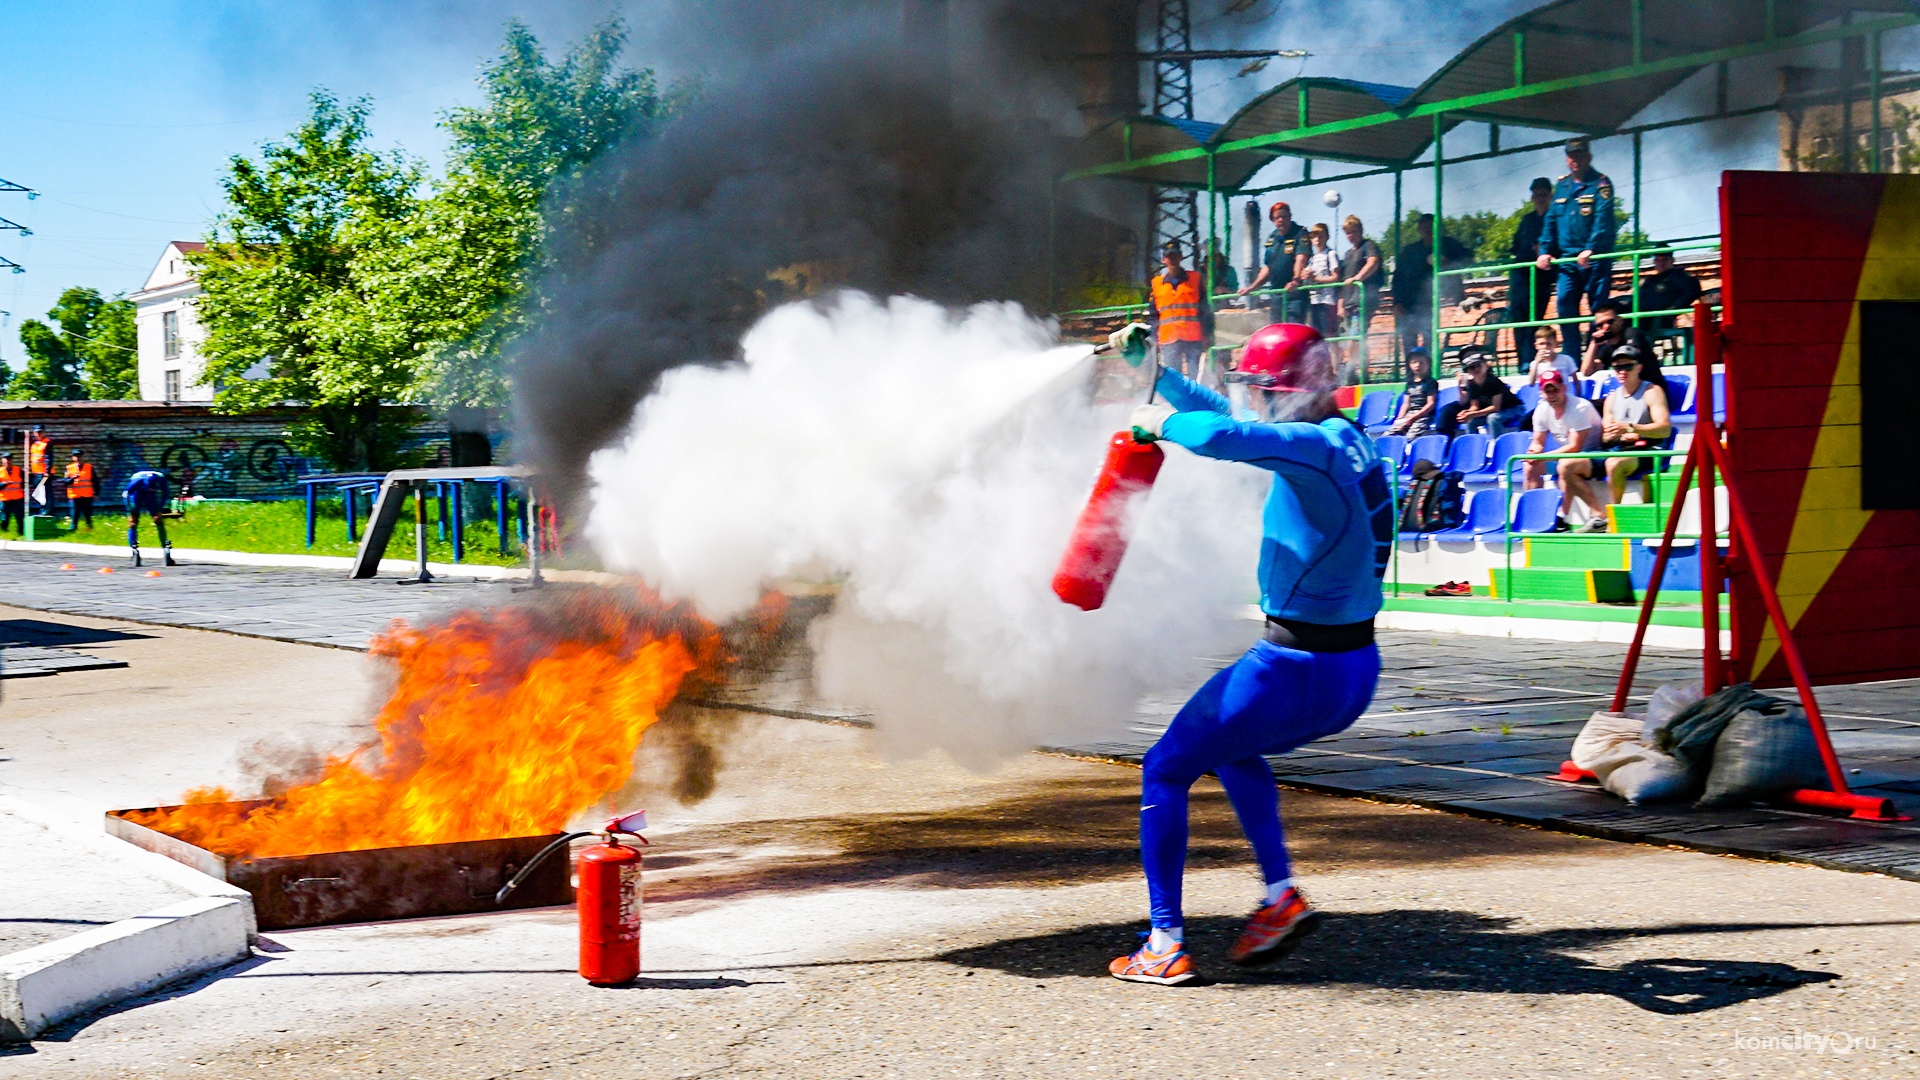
x: 412, y: 882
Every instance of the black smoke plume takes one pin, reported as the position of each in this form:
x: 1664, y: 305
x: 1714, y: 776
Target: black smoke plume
x: 863, y: 150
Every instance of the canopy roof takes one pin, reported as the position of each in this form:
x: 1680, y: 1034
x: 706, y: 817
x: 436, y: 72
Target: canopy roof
x: 1578, y: 66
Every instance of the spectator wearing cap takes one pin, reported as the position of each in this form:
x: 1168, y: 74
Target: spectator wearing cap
x: 1636, y: 417
x: 1422, y: 395
x: 1576, y: 424
x: 1179, y: 305
x: 1283, y: 265
x: 1666, y: 289
x: 1529, y: 287
x: 1364, y: 270
x: 1580, y: 223
x: 1488, y: 404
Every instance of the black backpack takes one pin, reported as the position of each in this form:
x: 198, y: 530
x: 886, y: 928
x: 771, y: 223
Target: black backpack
x: 1433, y: 500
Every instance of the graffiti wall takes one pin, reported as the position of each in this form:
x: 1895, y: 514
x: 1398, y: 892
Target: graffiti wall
x: 225, y: 457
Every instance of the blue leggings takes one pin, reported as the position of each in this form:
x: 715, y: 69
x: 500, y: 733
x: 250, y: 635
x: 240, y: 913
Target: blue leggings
x: 1270, y: 701
x: 150, y: 506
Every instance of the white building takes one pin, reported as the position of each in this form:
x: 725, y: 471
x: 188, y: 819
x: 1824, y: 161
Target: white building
x: 167, y: 334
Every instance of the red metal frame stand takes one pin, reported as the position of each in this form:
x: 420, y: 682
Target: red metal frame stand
x: 1706, y: 457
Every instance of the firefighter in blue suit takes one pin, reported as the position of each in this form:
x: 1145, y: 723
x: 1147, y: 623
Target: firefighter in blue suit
x: 1580, y: 224
x: 147, y: 492
x: 1328, y: 533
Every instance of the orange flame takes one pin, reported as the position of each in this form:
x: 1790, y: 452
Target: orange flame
x: 502, y: 722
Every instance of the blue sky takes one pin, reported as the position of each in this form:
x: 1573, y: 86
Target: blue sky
x: 122, y: 115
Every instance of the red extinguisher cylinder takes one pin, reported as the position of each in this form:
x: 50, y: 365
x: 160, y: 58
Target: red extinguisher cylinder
x: 609, y: 904
x: 1100, y: 537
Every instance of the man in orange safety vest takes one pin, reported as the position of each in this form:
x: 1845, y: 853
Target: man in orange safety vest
x: 80, y: 490
x: 13, y: 495
x: 1179, y: 304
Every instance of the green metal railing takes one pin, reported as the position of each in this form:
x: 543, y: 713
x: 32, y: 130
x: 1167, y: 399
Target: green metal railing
x: 1252, y: 297
x: 1507, y: 486
x: 1634, y: 317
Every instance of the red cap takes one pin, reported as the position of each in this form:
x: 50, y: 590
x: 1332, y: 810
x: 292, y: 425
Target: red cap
x: 1553, y: 375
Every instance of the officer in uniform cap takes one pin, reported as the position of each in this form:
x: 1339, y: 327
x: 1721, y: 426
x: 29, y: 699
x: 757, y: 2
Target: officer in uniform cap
x: 1529, y: 288
x: 1580, y: 223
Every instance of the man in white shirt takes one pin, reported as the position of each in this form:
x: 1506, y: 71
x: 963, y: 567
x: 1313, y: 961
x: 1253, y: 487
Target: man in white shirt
x: 1576, y: 424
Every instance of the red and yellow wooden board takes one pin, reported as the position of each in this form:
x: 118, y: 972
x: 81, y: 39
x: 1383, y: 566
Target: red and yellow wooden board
x: 1801, y: 251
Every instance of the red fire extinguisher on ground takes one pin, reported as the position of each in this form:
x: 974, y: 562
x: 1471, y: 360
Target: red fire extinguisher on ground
x: 608, y: 900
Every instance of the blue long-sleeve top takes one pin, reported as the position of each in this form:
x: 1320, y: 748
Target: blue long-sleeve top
x: 149, y: 484
x: 1328, y: 521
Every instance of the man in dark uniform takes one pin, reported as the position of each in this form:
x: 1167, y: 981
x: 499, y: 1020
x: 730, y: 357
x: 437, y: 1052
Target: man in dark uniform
x: 1666, y: 289
x: 1283, y: 265
x: 1413, y: 282
x: 1580, y: 224
x: 1529, y: 288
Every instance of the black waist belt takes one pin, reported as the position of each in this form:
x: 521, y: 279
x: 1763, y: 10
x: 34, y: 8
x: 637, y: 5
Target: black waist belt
x: 1319, y: 637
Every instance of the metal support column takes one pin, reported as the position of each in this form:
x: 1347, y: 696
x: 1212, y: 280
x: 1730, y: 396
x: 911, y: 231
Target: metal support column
x: 1879, y: 163
x: 1399, y: 302
x: 1435, y: 349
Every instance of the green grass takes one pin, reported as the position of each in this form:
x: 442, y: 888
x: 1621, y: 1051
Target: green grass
x: 281, y: 528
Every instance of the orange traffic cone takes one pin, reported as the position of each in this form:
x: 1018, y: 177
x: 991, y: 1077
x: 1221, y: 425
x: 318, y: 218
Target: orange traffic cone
x: 106, y: 569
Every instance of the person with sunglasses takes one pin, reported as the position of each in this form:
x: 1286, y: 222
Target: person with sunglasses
x: 1575, y: 423
x: 1636, y: 417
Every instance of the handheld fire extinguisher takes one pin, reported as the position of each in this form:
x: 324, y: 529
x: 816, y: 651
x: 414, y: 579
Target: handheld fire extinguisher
x: 608, y: 899
x: 1100, y: 537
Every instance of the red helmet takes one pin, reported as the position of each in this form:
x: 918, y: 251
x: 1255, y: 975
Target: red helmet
x: 1285, y: 356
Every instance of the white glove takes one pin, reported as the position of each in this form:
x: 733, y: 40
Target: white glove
x: 1119, y: 339
x: 1148, y: 419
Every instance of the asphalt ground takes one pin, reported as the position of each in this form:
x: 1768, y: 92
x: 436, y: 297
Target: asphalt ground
x: 828, y: 914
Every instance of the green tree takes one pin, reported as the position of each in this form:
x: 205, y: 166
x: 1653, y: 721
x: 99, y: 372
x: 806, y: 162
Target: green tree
x: 460, y: 277
x: 91, y: 355
x: 286, y: 283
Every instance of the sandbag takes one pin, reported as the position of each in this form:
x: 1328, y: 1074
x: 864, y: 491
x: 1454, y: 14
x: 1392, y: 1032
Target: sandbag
x: 1765, y: 750
x: 1690, y: 735
x: 1666, y: 703
x: 1650, y: 776
x: 1608, y: 740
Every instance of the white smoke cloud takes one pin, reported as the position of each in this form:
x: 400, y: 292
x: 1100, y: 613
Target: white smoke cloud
x: 932, y: 462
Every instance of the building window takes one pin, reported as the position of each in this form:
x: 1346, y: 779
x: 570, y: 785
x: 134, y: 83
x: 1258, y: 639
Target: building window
x: 173, y: 382
x: 170, y: 336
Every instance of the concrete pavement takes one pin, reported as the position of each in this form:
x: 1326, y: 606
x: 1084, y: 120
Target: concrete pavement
x: 826, y: 914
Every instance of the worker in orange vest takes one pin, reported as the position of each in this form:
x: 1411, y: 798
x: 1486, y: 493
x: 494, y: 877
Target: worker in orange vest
x: 1179, y: 304
x: 37, y: 448
x: 13, y: 495
x: 80, y: 489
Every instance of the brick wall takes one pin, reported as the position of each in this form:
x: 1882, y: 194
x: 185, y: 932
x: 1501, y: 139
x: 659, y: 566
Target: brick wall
x: 233, y: 457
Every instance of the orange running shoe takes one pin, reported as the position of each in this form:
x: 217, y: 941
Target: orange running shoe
x: 1274, y: 930
x: 1169, y: 968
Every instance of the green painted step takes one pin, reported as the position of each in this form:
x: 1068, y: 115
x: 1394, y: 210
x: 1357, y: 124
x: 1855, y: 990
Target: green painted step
x: 1574, y: 550
x: 1559, y: 583
x: 1637, y: 518
x: 1483, y: 607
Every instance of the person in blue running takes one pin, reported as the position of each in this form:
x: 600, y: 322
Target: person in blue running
x: 1328, y: 534
x: 147, y: 492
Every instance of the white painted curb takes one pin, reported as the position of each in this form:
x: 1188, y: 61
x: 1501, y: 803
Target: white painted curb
x: 479, y: 571
x: 47, y: 984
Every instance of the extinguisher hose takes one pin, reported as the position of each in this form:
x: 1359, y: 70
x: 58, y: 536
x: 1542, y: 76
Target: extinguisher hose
x: 514, y: 882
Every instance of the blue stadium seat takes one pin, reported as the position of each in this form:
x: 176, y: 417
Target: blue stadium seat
x: 1467, y: 453
x: 1428, y: 447
x: 1529, y: 396
x: 1448, y: 395
x: 1376, y: 410
x: 1503, y: 449
x: 1483, y: 517
x: 1719, y: 397
x: 1536, y: 511
x: 1680, y: 394
x: 1391, y: 448
x: 1607, y: 386
x: 1587, y: 387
